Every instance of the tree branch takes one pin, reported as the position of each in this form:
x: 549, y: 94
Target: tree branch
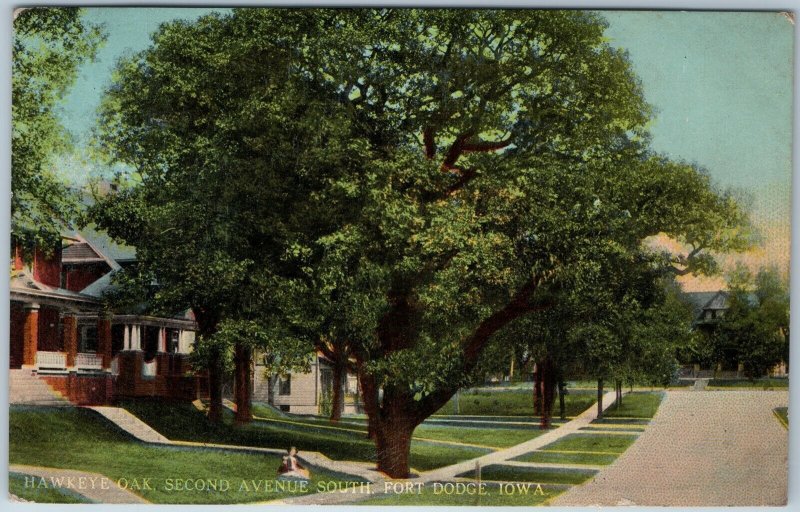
x: 519, y: 305
x: 428, y: 137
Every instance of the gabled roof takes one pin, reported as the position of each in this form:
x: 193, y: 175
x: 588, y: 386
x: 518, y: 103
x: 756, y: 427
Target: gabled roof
x: 699, y: 300
x: 718, y: 302
x: 103, y: 245
x: 80, y: 252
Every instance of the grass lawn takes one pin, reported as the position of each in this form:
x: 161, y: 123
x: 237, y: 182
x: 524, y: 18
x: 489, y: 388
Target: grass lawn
x: 514, y: 402
x: 81, y: 439
x: 614, y: 444
x: 639, y: 404
x: 568, y: 458
x: 622, y: 421
x: 496, y: 437
x: 493, y: 497
x: 181, y: 421
x: 767, y: 384
x: 783, y: 415
x: 502, y: 473
x: 16, y: 486
x: 613, y: 428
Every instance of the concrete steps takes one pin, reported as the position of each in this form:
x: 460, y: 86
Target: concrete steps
x: 26, y: 389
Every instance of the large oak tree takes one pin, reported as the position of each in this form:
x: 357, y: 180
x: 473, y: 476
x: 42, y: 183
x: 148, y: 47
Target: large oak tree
x: 434, y: 176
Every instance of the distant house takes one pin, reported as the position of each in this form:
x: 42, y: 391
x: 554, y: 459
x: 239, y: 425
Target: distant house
x: 709, y: 308
x: 304, y: 392
x: 61, y: 334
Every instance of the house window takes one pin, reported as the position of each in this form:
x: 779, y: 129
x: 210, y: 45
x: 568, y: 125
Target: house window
x: 285, y: 385
x: 88, y: 339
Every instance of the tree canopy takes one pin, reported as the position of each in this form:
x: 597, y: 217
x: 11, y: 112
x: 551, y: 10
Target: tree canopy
x: 412, y: 181
x: 49, y: 44
x: 755, y: 328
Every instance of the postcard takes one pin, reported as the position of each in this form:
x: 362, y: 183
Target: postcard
x: 400, y: 256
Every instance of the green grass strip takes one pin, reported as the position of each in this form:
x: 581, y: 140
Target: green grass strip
x: 782, y: 413
x: 599, y: 459
x: 593, y: 443
x: 499, y: 472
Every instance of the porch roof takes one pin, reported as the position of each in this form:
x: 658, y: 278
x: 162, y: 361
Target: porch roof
x: 25, y: 289
x: 156, y: 321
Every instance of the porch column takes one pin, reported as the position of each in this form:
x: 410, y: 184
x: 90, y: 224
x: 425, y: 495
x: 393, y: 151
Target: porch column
x: 162, y: 339
x: 30, y: 335
x: 136, y: 339
x: 70, y: 339
x: 104, y: 340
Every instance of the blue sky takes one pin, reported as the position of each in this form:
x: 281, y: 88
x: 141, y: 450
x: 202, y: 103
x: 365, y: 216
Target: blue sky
x: 721, y: 84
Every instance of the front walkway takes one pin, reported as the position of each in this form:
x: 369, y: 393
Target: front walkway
x: 449, y: 473
x: 94, y: 486
x: 710, y: 448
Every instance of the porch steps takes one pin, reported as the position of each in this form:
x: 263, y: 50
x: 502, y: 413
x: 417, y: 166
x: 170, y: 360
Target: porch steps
x: 27, y: 389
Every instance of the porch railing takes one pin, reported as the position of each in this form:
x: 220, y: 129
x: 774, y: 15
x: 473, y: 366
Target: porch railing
x: 51, y: 360
x: 88, y: 361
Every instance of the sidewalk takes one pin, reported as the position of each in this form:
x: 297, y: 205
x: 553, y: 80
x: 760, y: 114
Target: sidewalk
x: 449, y: 473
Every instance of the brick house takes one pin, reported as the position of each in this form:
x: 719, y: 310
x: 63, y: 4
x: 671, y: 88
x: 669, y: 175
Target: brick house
x: 61, y: 334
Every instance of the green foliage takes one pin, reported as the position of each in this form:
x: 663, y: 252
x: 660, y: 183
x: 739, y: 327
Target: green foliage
x: 326, y: 403
x: 410, y: 181
x: 49, y: 44
x: 755, y: 327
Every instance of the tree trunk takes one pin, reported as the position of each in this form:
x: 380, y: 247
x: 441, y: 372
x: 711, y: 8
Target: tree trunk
x: 272, y: 384
x: 548, y: 383
x: 339, y: 370
x: 537, y: 389
x: 393, y: 443
x: 215, y: 387
x: 562, y: 386
x: 242, y: 358
x: 369, y: 397
x: 599, y: 398
x: 207, y: 325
